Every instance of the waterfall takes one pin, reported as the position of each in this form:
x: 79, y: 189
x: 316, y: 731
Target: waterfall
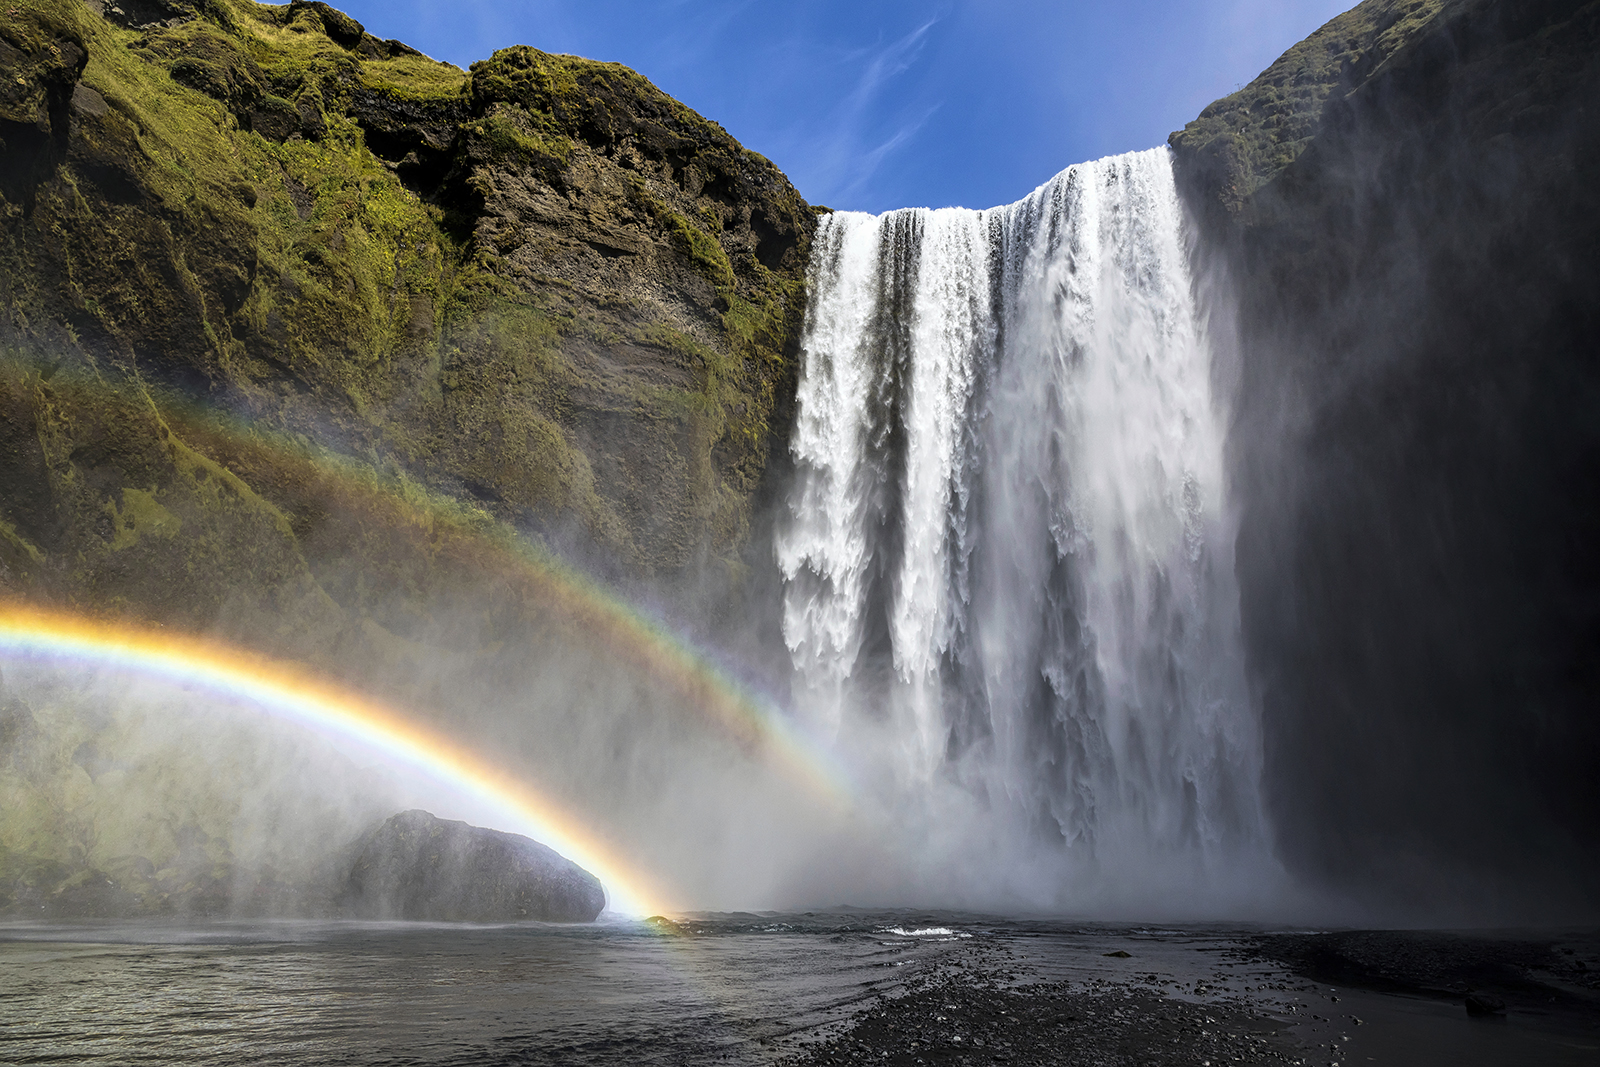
x: 1008, y: 568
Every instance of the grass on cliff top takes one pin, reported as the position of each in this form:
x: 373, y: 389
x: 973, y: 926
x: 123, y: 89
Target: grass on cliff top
x: 562, y: 86
x: 288, y: 45
x: 32, y: 25
x: 1267, y: 124
x: 414, y: 78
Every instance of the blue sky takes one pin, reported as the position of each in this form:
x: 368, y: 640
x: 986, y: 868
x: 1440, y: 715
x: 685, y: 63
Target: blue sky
x: 877, y: 105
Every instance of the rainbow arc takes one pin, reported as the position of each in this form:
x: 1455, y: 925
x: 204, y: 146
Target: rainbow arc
x: 295, y: 695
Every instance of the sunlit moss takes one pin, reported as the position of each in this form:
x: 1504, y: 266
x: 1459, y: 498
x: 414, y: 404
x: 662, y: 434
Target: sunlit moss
x: 1257, y: 131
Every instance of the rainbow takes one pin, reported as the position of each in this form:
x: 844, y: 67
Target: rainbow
x: 294, y: 695
x: 750, y: 718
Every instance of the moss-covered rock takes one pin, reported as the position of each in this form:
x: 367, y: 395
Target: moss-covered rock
x: 542, y: 286
x: 1239, y: 143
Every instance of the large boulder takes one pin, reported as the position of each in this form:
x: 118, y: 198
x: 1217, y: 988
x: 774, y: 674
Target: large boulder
x: 417, y: 866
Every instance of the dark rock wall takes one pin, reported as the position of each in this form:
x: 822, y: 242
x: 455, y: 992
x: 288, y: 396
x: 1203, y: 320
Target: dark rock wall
x: 1416, y: 447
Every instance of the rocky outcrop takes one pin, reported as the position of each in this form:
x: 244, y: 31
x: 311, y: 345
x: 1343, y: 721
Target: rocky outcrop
x: 1240, y: 143
x: 1404, y: 207
x: 419, y: 867
x: 541, y: 287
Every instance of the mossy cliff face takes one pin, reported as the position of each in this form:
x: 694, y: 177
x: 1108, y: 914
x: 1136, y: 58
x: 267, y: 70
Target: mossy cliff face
x: 542, y: 285
x: 1405, y: 208
x: 1241, y: 142
x: 302, y: 336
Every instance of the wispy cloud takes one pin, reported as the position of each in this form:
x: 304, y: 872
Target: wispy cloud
x: 864, y: 165
x: 844, y: 153
x: 697, y: 37
x: 895, y: 58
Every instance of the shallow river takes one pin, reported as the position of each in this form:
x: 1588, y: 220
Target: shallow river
x: 740, y: 989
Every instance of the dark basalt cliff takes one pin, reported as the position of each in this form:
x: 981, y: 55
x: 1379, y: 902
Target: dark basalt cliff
x: 1406, y: 208
x: 541, y: 287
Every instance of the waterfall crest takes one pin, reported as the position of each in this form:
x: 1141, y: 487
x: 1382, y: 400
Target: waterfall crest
x: 1009, y: 590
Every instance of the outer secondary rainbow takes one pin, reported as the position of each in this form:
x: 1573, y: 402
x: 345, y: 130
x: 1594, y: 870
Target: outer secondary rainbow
x: 611, y: 620
x: 294, y: 695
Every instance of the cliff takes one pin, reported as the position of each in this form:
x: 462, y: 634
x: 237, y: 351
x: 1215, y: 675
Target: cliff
x: 1404, y: 208
x: 303, y: 331
x: 540, y: 287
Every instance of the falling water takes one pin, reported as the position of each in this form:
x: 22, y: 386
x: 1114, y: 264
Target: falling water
x: 1009, y: 589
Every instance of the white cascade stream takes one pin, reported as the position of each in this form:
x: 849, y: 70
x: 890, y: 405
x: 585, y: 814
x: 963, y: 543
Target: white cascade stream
x: 1009, y: 597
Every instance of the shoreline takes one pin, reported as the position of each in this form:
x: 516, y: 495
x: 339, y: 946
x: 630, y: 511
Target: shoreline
x: 1338, y: 998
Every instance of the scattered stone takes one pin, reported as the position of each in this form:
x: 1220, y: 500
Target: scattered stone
x: 979, y: 1020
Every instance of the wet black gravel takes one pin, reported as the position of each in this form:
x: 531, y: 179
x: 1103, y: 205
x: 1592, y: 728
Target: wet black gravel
x: 966, y: 1020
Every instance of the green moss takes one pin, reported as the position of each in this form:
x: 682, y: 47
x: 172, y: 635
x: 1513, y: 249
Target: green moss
x: 535, y: 80
x: 414, y: 79
x: 711, y: 217
x: 704, y: 251
x: 19, y: 544
x: 577, y: 94
x: 138, y: 515
x: 305, y: 281
x: 676, y: 341
x: 35, y: 25
x: 513, y: 140
x: 1248, y: 137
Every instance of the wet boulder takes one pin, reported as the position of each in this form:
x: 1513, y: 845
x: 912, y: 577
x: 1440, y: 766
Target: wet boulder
x: 419, y: 867
x: 1482, y: 1005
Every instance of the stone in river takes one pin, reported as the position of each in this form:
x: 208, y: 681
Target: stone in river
x: 1480, y: 1005
x: 419, y: 867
